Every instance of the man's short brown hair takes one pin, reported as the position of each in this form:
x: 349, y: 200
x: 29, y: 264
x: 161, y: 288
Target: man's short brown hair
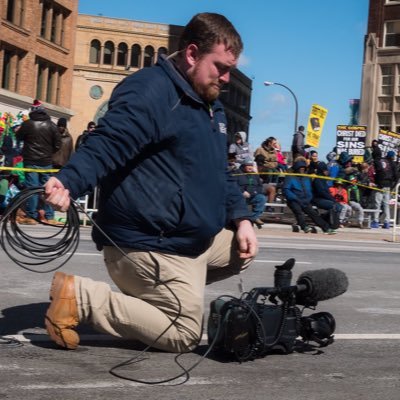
x: 208, y: 29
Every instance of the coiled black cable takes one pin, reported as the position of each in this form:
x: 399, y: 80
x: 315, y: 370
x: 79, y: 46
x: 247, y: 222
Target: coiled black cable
x: 30, y: 250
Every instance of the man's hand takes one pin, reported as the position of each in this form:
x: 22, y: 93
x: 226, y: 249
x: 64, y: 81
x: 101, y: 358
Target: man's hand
x: 246, y: 194
x: 247, y: 240
x: 56, y: 195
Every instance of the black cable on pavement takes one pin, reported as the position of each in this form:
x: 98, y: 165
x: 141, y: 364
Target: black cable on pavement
x: 30, y: 250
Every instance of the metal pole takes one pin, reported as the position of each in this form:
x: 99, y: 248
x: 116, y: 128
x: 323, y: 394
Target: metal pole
x: 296, y: 114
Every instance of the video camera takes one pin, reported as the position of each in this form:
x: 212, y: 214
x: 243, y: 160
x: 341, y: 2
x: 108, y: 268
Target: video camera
x: 249, y: 327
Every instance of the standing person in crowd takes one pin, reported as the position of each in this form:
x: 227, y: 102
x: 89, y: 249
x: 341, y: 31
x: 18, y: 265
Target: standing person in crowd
x: 333, y: 166
x: 298, y: 193
x: 354, y: 196
x: 251, y: 186
x: 298, y: 145
x: 282, y: 163
x: 312, y: 167
x: 41, y: 140
x: 366, y: 178
x: 386, y: 177
x: 177, y: 231
x: 241, y: 148
x: 266, y: 159
x: 61, y: 157
x: 91, y: 126
x: 339, y: 193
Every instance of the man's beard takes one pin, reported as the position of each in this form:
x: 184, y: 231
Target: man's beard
x: 209, y: 92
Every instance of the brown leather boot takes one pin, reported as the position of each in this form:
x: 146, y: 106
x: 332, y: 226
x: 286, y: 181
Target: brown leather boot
x: 62, y: 315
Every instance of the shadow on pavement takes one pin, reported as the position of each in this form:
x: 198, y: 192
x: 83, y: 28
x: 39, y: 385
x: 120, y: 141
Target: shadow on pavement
x: 28, y: 320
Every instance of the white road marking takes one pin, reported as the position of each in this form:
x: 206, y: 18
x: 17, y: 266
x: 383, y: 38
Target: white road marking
x: 27, y: 338
x: 279, y: 261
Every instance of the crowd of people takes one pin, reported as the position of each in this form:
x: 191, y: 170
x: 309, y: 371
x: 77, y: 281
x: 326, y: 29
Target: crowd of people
x: 333, y: 194
x: 32, y: 141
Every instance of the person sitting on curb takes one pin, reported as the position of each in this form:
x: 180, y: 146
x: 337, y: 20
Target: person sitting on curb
x: 339, y: 193
x: 322, y: 197
x: 251, y: 186
x: 354, y: 197
x: 298, y: 193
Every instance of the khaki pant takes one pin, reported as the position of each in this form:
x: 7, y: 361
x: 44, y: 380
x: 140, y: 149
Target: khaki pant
x: 157, y: 289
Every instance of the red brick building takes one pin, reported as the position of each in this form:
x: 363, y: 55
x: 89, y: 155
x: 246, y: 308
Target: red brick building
x: 37, y: 42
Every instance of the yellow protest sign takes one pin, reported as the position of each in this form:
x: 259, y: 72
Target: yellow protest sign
x: 315, y: 125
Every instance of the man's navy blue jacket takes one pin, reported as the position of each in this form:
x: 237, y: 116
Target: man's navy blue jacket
x: 159, y: 158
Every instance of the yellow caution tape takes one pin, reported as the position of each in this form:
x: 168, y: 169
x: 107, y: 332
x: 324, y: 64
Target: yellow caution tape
x: 28, y: 169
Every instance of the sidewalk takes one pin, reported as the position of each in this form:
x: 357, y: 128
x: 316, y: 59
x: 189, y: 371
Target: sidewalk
x: 285, y: 230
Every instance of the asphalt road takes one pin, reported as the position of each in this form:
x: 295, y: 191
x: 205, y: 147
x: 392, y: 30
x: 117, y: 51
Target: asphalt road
x: 362, y: 363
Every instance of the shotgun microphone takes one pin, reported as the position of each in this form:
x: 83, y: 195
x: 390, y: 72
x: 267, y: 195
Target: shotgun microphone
x: 321, y: 284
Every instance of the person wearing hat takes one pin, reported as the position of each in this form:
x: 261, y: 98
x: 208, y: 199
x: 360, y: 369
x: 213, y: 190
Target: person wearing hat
x: 298, y: 193
x: 251, y: 186
x: 41, y: 139
x: 61, y: 157
x: 386, y: 177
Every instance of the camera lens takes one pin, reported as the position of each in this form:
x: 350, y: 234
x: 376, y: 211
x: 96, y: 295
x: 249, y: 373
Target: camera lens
x: 318, y: 326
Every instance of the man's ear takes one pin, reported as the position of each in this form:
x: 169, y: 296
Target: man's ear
x: 192, y: 54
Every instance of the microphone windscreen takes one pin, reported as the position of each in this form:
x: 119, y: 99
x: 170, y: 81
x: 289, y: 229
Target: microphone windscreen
x: 322, y: 284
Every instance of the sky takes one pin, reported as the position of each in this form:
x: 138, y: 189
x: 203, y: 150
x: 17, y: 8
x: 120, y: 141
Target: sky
x: 313, y: 47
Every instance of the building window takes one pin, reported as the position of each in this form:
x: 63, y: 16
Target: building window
x: 48, y: 81
x: 15, y: 11
x: 136, y: 55
x: 53, y: 21
x: 94, y: 56
x: 385, y: 121
x: 122, y: 56
x: 10, y: 68
x: 108, y: 53
x: 387, y: 79
x: 6, y: 78
x: 392, y: 34
x: 397, y: 119
x: 148, y: 56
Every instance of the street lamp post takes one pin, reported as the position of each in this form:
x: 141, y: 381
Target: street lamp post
x: 267, y: 83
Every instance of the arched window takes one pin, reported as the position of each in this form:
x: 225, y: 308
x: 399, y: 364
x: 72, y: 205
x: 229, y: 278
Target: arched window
x: 94, y: 56
x: 108, y: 53
x: 136, y: 55
x: 162, y: 50
x: 122, y: 57
x: 148, y: 56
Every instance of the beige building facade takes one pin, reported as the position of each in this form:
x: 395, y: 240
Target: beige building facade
x: 380, y: 92
x: 108, y: 50
x: 37, y: 42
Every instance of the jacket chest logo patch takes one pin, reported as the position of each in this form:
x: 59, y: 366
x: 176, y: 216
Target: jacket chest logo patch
x: 222, y: 127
